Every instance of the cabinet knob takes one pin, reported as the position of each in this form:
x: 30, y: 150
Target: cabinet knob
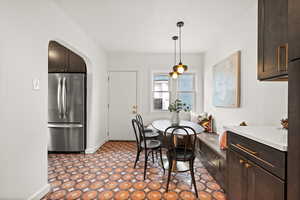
x: 247, y: 165
x: 242, y: 161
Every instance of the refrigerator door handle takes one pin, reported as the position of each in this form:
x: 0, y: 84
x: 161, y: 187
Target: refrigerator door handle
x: 59, y: 93
x: 65, y: 125
x: 64, y: 98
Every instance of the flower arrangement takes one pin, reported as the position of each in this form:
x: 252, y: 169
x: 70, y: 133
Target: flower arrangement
x: 178, y: 106
x: 285, y: 123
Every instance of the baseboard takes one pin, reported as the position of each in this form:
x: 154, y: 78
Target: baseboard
x: 121, y: 140
x: 40, y: 193
x: 95, y: 148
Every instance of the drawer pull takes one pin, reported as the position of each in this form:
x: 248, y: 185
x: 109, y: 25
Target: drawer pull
x: 245, y: 149
x: 253, y: 154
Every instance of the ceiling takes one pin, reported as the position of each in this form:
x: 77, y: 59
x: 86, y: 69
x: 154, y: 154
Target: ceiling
x: 148, y: 25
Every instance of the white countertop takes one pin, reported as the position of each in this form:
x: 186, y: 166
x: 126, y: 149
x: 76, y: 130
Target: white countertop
x: 269, y: 135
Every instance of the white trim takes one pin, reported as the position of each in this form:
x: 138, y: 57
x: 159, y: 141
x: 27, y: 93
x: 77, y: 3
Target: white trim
x: 194, y: 92
x: 95, y: 148
x: 40, y: 193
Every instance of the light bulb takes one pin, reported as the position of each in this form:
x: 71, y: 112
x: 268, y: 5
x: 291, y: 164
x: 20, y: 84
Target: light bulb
x: 174, y: 75
x: 180, y: 69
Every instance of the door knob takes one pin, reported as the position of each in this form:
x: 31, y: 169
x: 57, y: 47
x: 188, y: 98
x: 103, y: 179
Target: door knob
x: 242, y: 161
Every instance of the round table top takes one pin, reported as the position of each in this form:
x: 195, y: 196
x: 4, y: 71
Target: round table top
x: 163, y: 124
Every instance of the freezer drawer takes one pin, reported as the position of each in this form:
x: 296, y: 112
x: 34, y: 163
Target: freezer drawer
x: 65, y: 137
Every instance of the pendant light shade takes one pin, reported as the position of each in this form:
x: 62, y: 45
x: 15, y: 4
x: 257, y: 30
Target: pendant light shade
x: 180, y: 68
x: 174, y: 74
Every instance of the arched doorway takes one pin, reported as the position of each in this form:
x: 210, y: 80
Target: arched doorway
x: 66, y: 100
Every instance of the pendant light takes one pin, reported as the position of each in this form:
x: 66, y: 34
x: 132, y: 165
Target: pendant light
x: 174, y: 74
x: 180, y: 68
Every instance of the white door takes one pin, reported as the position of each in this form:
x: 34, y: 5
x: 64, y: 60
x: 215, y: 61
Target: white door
x: 122, y: 104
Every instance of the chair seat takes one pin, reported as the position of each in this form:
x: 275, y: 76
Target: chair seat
x: 151, y: 134
x: 151, y: 144
x: 148, y: 130
x: 181, y: 155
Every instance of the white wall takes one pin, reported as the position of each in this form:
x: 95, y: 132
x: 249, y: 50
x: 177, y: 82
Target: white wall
x: 145, y: 64
x: 26, y: 28
x: 261, y: 102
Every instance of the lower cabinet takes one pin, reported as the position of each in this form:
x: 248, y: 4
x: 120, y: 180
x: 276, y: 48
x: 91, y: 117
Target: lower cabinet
x: 262, y: 184
x: 237, y: 177
x: 250, y: 173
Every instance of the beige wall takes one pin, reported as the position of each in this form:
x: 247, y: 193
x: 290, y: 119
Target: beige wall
x: 26, y: 28
x: 145, y: 64
x: 262, y: 103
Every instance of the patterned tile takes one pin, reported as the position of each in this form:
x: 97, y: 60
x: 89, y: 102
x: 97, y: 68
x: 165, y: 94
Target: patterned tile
x: 109, y: 174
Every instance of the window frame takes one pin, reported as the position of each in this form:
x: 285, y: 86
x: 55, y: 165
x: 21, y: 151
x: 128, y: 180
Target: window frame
x: 152, y: 90
x: 173, y: 89
x: 194, y: 91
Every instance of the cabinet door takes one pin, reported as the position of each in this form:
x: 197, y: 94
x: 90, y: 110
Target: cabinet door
x: 76, y: 63
x: 272, y: 38
x: 294, y: 29
x: 293, y: 171
x: 262, y: 185
x: 236, y: 176
x: 57, y: 57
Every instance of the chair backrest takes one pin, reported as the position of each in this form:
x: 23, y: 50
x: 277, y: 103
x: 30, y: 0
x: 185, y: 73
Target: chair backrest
x: 139, y: 118
x: 188, y: 143
x: 139, y: 132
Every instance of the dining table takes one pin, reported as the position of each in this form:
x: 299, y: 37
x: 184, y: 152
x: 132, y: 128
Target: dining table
x: 162, y: 124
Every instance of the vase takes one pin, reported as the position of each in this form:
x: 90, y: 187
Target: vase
x: 175, y: 119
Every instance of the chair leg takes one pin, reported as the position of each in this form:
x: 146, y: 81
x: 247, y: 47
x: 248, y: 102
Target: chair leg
x: 145, y: 165
x: 169, y: 173
x: 161, y: 160
x: 137, y: 157
x: 152, y: 157
x: 156, y: 155
x: 193, y: 176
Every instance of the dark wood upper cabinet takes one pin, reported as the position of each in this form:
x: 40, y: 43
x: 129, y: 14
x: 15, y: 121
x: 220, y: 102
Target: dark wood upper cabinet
x: 76, y: 63
x: 294, y: 29
x: 272, y: 39
x: 61, y: 59
x: 57, y: 57
x: 293, y: 172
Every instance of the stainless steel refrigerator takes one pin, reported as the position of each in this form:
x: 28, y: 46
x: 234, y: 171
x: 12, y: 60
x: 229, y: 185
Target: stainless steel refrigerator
x: 66, y: 112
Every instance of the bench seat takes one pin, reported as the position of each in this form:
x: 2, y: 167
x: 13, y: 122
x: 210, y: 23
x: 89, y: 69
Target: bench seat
x: 211, y: 156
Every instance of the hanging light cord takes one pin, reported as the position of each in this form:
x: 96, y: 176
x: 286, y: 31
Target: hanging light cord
x: 175, y: 51
x: 180, y: 44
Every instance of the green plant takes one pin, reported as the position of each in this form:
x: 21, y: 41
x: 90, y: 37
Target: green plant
x: 178, y: 106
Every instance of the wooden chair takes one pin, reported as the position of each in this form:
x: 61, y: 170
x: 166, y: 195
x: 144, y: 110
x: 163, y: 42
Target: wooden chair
x: 184, y: 152
x: 148, y: 145
x: 149, y: 133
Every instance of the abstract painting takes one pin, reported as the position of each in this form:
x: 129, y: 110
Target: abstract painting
x: 226, y: 82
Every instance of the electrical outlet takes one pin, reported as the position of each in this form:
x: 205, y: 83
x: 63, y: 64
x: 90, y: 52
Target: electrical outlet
x: 36, y: 84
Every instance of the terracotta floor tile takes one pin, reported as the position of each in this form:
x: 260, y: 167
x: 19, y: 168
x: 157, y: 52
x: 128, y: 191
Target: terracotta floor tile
x: 109, y: 174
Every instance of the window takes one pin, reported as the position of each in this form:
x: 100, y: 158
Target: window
x: 186, y: 90
x: 163, y: 91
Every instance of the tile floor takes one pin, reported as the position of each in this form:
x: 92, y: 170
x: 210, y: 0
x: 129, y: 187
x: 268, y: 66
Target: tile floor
x: 109, y: 174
